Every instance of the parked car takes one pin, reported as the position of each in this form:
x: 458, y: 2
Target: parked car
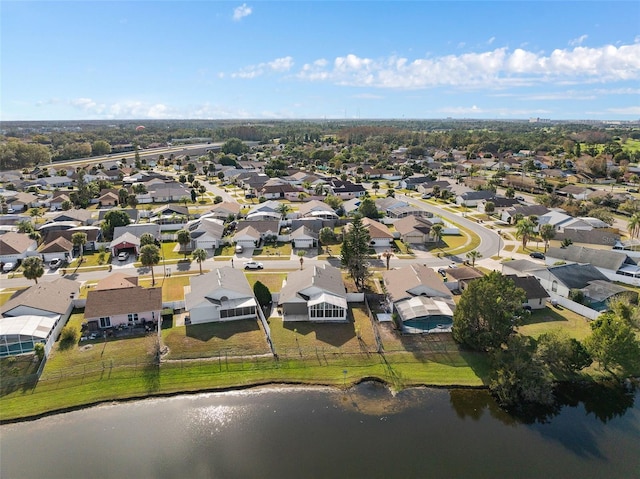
x: 239, y: 248
x: 537, y: 255
x: 426, y: 196
x: 253, y: 265
x: 442, y: 272
x: 55, y: 263
x: 123, y: 256
x: 8, y: 267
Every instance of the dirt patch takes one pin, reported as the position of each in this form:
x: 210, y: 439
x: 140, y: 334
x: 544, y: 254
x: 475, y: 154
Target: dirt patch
x: 86, y: 347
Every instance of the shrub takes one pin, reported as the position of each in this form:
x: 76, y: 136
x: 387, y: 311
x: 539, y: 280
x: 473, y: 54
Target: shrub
x: 69, y: 334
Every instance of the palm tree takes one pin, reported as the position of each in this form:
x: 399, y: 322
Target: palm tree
x: 199, y: 255
x: 473, y: 256
x: 436, y: 232
x: 79, y: 240
x: 634, y: 225
x: 301, y: 254
x: 524, y: 230
x: 283, y: 209
x: 547, y: 232
x: 32, y: 268
x: 387, y: 256
x: 184, y: 238
x: 150, y: 256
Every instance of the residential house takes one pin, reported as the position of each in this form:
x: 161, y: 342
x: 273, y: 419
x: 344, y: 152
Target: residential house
x: 36, y: 315
x: 508, y: 215
x: 224, y: 210
x: 94, y: 235
x: 22, y: 201
x: 81, y: 217
x: 473, y: 198
x: 54, y: 182
x: 170, y: 217
x: 602, y: 237
x: 395, y: 208
x: 56, y: 200
x: 379, y: 233
x: 14, y: 247
x: 412, y: 182
x: 317, y: 209
x: 615, y: 265
x: 164, y: 191
x: 206, y: 232
x: 420, y: 299
x: 120, y: 302
x: 304, y: 237
x: 315, y: 293
x: 346, y: 190
x: 535, y: 295
x: 561, y: 221
x: 414, y: 230
x: 428, y: 187
x: 57, y: 248
x: 265, y: 211
x: 265, y: 228
x: 564, y: 280
x: 108, y: 199
x: 460, y: 277
x: 576, y: 192
x: 222, y: 295
x: 280, y: 191
x: 500, y: 203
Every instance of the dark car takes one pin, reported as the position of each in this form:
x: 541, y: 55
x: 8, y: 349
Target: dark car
x: 442, y: 272
x: 537, y: 255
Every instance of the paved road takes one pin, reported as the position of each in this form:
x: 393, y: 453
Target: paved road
x: 490, y: 241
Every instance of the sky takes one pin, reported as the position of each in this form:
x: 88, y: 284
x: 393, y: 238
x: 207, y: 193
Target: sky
x: 101, y: 60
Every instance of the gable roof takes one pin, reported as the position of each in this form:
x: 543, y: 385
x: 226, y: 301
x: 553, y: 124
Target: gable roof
x: 58, y: 245
x: 325, y: 278
x: 605, y: 259
x: 575, y: 275
x: 111, y: 302
x: 204, y: 287
x: 15, y: 243
x: 530, y: 285
x: 414, y: 280
x: 116, y: 281
x: 376, y: 229
x: 409, y: 224
x: 53, y: 296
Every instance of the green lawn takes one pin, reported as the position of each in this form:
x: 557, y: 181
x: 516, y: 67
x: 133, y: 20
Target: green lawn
x: 279, y: 249
x: 168, y: 253
x: 91, y: 259
x: 229, y: 250
x: 172, y: 287
x: 271, y: 280
x: 548, y: 319
x: 229, y: 338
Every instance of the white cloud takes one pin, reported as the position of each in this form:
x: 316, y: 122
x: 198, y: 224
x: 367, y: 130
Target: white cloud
x: 578, y: 41
x: 280, y: 65
x: 630, y: 110
x: 242, y: 11
x: 491, y: 40
x: 495, y: 68
x: 368, y: 96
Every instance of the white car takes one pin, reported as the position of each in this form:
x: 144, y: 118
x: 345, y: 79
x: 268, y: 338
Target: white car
x: 253, y: 265
x: 55, y: 263
x: 123, y: 256
x: 8, y: 267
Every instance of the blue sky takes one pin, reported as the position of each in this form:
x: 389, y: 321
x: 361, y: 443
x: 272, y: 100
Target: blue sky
x: 321, y: 59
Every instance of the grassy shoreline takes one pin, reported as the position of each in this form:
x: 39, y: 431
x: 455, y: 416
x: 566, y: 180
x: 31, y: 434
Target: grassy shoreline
x: 400, y: 370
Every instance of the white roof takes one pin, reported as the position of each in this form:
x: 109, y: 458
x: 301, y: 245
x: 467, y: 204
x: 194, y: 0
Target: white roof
x: 329, y: 298
x: 28, y: 325
x: 422, y: 306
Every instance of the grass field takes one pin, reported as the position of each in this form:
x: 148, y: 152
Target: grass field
x: 271, y: 280
x: 549, y: 319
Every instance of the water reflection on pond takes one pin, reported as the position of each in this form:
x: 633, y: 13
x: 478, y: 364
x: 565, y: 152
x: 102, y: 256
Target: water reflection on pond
x: 316, y: 432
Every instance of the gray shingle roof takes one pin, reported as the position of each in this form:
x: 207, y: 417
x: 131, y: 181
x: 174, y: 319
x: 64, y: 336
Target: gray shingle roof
x: 53, y: 296
x: 605, y: 259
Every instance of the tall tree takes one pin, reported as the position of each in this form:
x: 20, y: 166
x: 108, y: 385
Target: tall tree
x: 32, y: 268
x: 113, y: 219
x: 613, y: 343
x: 487, y: 311
x: 150, y: 256
x: 79, y: 240
x: 354, y: 249
x: 147, y: 238
x: 283, y: 209
x: 199, y: 255
x: 184, y: 239
x: 547, y: 233
x: 524, y: 230
x: 436, y: 232
x: 368, y: 209
x: 473, y: 256
x: 262, y: 294
x: 634, y: 225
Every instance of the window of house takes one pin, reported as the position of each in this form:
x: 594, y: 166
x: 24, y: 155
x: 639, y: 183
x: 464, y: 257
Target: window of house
x: 554, y: 286
x: 133, y: 317
x: 105, y: 322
